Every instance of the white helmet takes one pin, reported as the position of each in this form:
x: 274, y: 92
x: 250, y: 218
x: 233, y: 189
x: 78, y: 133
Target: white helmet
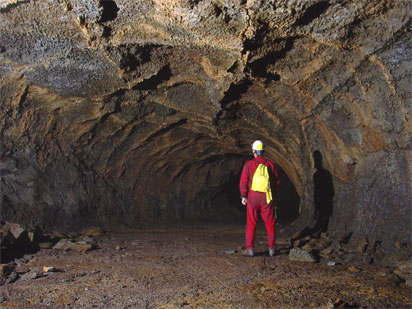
x: 257, y: 145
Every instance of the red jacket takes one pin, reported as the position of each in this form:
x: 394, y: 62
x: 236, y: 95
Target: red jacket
x: 249, y: 170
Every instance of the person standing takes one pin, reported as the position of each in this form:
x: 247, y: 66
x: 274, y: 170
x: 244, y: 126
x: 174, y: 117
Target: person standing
x: 258, y: 198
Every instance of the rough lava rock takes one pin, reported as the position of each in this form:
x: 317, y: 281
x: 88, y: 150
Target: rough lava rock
x: 128, y: 112
x: 300, y: 255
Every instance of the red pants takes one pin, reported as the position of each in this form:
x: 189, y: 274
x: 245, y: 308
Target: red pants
x: 257, y: 201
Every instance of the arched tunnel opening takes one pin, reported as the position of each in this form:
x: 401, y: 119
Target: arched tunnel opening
x: 125, y: 126
x: 215, y: 181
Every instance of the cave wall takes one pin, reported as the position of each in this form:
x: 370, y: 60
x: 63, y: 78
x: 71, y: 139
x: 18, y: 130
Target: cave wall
x: 124, y: 112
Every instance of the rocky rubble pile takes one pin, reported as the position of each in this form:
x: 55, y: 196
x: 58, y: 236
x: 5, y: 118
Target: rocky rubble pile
x: 18, y: 247
x: 15, y: 241
x: 321, y: 247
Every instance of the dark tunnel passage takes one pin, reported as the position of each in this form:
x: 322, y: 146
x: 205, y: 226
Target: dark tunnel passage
x: 286, y: 199
x: 204, y: 188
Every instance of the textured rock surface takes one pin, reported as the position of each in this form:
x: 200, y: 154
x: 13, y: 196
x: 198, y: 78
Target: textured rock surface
x: 300, y: 255
x: 128, y: 111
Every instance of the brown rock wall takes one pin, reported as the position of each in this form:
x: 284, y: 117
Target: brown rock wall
x: 130, y: 111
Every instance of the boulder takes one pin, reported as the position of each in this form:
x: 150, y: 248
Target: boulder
x: 300, y: 255
x: 14, y: 242
x: 65, y: 244
x: 6, y: 269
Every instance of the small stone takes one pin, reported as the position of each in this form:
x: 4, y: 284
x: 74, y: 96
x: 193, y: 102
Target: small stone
x: 391, y: 279
x: 327, y: 251
x: 63, y: 244
x: 30, y: 276
x: 296, y: 243
x: 87, y: 239
x: 23, y: 260
x: 325, y: 256
x: 31, y: 236
x: 49, y: 269
x: 403, y: 275
x: 330, y: 304
x: 331, y: 263
x: 324, y: 235
x: 230, y: 252
x: 300, y: 255
x: 66, y: 245
x: 322, y: 244
x: 383, y: 272
x: 354, y: 269
x: 93, y: 231
x: 349, y: 256
x: 310, y: 245
x: 14, y: 276
x: 358, y: 246
x: 6, y: 269
x: 16, y: 230
x: 362, y: 245
x: 22, y: 269
x: 55, y: 236
x: 118, y: 248
x: 28, y: 257
x: 405, y: 266
x: 2, y: 280
x: 45, y: 245
x: 342, y: 304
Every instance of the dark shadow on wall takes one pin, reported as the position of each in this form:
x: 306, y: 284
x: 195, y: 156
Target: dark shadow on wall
x: 286, y: 199
x: 323, y: 194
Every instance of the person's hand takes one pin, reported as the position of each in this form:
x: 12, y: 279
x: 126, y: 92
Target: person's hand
x: 244, y: 201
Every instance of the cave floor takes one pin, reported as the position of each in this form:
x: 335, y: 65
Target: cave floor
x: 194, y: 267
